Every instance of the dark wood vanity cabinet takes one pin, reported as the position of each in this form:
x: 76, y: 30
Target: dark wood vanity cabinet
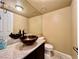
x: 37, y: 53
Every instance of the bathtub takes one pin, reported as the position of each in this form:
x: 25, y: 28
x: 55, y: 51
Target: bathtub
x: 58, y: 55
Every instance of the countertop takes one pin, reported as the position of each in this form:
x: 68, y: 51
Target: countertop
x: 18, y: 51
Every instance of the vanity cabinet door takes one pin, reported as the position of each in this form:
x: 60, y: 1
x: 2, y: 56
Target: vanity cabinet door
x: 37, y: 54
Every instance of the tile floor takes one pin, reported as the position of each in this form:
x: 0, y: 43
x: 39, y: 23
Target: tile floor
x: 58, y: 55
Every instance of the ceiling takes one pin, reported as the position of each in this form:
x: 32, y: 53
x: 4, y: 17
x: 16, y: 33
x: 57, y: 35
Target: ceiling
x: 36, y: 7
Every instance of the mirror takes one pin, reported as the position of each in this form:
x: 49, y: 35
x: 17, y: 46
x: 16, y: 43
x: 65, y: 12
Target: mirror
x: 11, y: 22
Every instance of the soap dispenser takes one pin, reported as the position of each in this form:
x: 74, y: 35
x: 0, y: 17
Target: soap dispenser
x: 2, y: 43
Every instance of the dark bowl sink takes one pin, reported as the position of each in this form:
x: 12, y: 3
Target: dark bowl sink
x: 28, y: 40
x: 15, y: 36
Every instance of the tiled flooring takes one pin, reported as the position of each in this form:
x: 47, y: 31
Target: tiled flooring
x: 58, y: 55
x: 52, y: 57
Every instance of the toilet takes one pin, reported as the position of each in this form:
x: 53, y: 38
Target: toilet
x: 48, y: 51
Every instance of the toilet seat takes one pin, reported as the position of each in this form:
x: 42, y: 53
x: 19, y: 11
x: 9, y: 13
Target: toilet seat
x: 48, y: 47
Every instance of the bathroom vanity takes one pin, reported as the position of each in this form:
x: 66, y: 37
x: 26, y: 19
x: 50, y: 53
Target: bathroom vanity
x: 37, y: 53
x: 19, y: 51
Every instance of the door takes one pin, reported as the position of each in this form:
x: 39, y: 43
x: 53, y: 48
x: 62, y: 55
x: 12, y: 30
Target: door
x: 6, y: 24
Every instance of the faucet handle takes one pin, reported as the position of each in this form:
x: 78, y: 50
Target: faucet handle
x: 23, y: 32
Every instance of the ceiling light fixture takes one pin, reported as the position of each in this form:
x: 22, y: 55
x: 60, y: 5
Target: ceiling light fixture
x: 19, y: 8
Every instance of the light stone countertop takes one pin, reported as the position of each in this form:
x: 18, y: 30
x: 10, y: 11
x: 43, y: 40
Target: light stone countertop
x: 18, y: 51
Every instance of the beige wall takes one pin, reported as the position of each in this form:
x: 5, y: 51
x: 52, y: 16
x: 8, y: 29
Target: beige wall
x: 35, y: 25
x: 74, y: 26
x: 19, y: 23
x: 56, y: 27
